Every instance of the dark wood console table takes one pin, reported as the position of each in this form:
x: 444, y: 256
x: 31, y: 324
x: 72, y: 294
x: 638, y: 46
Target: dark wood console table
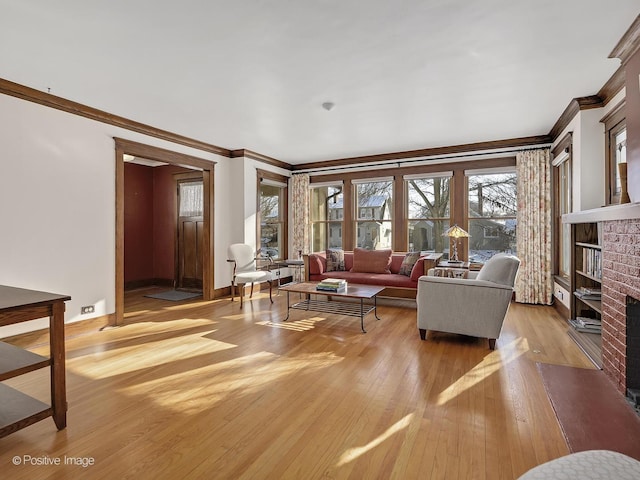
x: 18, y: 410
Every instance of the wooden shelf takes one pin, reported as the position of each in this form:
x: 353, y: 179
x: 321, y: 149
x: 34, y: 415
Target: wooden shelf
x: 590, y: 277
x: 590, y: 344
x: 19, y: 410
x: 589, y: 245
x: 594, y: 304
x: 15, y: 361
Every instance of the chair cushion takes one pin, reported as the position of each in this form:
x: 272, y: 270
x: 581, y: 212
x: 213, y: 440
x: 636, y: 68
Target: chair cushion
x: 500, y: 269
x: 256, y: 276
x: 335, y: 260
x: 408, y: 262
x: 371, y: 261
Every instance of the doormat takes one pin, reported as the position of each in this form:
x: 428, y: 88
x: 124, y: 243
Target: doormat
x: 174, y: 295
x: 592, y: 414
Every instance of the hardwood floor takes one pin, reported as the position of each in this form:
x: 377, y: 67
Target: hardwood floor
x: 205, y: 390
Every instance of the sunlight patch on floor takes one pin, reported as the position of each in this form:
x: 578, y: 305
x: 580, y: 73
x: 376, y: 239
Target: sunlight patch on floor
x: 353, y: 453
x: 297, y: 325
x: 199, y: 389
x: 493, y: 362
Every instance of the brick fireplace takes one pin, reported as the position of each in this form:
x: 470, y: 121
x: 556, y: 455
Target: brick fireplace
x: 620, y: 287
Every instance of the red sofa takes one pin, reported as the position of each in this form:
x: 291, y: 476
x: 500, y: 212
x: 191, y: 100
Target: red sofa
x: 398, y: 285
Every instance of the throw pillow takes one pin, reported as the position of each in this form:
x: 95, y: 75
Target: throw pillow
x: 371, y: 261
x: 335, y: 260
x: 408, y: 262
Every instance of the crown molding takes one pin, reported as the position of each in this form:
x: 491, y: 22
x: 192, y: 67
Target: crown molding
x: 629, y: 43
x: 48, y: 100
x: 575, y: 105
x: 429, y: 152
x: 614, y: 85
x: 243, y: 152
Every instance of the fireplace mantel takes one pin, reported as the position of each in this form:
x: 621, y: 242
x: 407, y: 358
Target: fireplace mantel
x: 626, y: 211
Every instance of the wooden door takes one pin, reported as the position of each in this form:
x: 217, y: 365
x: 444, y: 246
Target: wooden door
x: 190, y: 230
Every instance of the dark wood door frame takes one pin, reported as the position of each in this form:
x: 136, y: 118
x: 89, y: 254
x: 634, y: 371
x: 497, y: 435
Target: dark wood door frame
x: 167, y: 156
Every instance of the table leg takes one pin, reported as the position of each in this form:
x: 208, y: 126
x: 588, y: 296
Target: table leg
x: 288, y: 310
x: 58, y: 378
x: 375, y: 306
x: 362, y: 315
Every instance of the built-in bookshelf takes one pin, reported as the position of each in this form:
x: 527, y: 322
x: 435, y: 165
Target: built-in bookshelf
x: 586, y: 304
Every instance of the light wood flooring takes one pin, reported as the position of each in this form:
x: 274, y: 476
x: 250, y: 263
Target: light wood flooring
x: 204, y: 390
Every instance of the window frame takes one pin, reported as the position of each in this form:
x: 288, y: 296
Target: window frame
x: 270, y: 178
x: 564, y: 148
x: 327, y: 221
x: 359, y: 221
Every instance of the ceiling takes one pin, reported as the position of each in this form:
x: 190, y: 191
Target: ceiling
x: 403, y: 75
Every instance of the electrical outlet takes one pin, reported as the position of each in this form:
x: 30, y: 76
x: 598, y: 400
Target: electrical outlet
x: 87, y: 309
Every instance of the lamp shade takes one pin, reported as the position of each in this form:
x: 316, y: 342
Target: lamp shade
x: 455, y: 232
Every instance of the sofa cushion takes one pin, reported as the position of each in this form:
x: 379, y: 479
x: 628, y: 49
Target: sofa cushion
x: 418, y: 269
x: 408, y: 262
x: 371, y: 261
x: 382, y: 279
x: 335, y: 260
x: 316, y: 264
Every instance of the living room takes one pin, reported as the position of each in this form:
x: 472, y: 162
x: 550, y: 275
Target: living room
x: 67, y: 233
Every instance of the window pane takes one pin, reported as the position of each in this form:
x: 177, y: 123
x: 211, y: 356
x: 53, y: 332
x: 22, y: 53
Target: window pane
x: 426, y: 235
x: 428, y: 198
x: 326, y: 213
x: 373, y: 235
x: 271, y: 223
x: 492, y: 200
x: 621, y: 155
x: 492, y: 195
x: 491, y: 236
x: 374, y: 204
x: 191, y: 199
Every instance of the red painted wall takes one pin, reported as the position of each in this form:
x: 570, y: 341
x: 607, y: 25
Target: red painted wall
x: 138, y: 222
x: 149, y: 225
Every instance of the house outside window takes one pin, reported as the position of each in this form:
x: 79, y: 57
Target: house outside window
x: 272, y: 200
x: 374, y: 211
x: 428, y: 211
x: 492, y: 206
x: 326, y: 215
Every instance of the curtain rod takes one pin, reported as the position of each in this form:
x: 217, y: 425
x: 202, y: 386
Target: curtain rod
x: 399, y: 163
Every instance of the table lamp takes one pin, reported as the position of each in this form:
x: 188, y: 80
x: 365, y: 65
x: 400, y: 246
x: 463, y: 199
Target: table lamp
x: 455, y: 232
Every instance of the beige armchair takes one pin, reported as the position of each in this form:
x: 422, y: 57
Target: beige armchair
x: 244, y: 270
x: 475, y: 307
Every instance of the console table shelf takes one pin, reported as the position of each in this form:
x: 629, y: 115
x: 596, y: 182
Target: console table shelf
x: 18, y: 410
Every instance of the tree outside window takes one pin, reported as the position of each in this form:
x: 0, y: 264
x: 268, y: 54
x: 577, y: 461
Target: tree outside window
x: 492, y: 207
x: 428, y: 213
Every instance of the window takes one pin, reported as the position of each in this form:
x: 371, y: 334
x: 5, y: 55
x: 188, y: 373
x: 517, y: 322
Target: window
x: 616, y: 151
x: 428, y: 211
x: 374, y: 207
x: 272, y: 223
x: 492, y: 206
x: 326, y: 214
x: 562, y: 200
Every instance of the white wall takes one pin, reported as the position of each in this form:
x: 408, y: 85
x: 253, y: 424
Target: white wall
x: 57, y: 204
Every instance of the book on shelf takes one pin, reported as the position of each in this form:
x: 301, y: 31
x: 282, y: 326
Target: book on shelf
x: 586, y: 328
x: 588, y: 293
x: 589, y: 322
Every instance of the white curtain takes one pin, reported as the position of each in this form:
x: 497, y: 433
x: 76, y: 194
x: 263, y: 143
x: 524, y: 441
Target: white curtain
x: 300, y: 212
x: 534, y: 283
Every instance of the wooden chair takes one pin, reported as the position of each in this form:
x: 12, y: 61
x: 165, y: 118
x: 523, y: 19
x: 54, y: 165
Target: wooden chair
x: 244, y: 270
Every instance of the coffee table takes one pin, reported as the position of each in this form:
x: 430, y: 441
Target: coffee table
x: 356, y: 309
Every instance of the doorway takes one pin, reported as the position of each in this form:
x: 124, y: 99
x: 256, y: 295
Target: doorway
x: 204, y: 249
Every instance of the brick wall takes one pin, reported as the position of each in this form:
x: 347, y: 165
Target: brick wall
x: 620, y: 277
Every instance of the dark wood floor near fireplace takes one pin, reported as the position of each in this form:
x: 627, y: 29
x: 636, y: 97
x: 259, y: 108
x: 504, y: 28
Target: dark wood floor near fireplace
x: 592, y: 413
